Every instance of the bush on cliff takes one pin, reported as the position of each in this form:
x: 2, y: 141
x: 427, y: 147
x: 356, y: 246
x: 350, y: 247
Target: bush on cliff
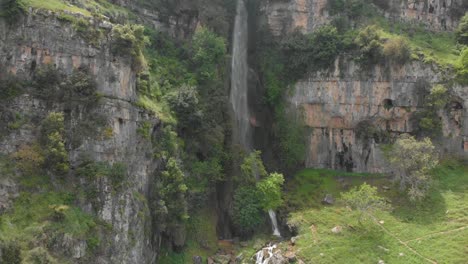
x: 462, y: 30
x: 369, y: 45
x: 397, y: 50
x: 129, y: 39
x: 462, y: 68
x: 208, y: 54
x: 11, y: 9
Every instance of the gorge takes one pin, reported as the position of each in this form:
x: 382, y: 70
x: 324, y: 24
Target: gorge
x: 233, y: 131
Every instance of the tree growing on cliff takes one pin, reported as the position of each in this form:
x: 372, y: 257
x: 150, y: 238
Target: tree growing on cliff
x: 462, y: 30
x: 11, y: 9
x: 365, y: 200
x: 413, y: 160
x: 257, y: 193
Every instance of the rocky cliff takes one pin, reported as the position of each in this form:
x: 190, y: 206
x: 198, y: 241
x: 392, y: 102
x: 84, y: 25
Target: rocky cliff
x: 40, y: 38
x: 285, y: 16
x: 340, y: 104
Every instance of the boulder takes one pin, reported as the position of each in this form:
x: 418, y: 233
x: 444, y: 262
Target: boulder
x: 337, y: 230
x: 197, y: 260
x: 328, y: 199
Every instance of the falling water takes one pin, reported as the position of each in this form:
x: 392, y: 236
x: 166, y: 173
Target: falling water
x: 274, y: 223
x: 262, y: 258
x: 239, y: 88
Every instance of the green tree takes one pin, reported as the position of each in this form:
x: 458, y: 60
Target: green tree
x: 365, y: 200
x: 462, y: 30
x: 247, y: 211
x: 208, y: 54
x: 185, y: 103
x: 269, y: 191
x: 172, y: 190
x: 413, y: 160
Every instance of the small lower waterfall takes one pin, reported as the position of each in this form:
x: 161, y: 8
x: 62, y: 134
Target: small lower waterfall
x: 265, y: 254
x: 274, y: 223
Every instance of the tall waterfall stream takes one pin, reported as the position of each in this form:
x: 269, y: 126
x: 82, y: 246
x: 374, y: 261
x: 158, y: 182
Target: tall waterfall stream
x: 239, y: 89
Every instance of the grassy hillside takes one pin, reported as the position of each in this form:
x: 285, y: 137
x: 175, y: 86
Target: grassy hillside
x: 434, y: 231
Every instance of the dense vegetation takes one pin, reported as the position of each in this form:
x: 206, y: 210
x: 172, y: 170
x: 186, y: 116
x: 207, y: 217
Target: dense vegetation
x: 183, y: 83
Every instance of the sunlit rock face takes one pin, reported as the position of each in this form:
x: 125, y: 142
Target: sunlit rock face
x: 285, y: 16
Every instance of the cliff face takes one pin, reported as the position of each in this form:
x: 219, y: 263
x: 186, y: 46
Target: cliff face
x: 39, y: 39
x: 341, y: 106
x: 285, y: 16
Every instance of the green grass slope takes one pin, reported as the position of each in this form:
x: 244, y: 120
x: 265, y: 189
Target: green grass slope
x: 433, y: 231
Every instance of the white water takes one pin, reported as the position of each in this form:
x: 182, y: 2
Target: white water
x: 261, y: 258
x: 239, y: 89
x: 274, y: 223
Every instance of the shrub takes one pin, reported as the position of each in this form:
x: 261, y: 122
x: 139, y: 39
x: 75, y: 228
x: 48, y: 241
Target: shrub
x: 462, y: 68
x: 91, y: 170
x: 87, y: 31
x: 247, y: 211
x: 429, y: 122
x: 29, y: 159
x: 10, y: 87
x: 11, y: 9
x: 130, y: 39
x: 185, y: 103
x: 397, y: 50
x: 364, y: 199
x: 10, y: 252
x: 252, y: 168
x: 462, y: 30
x: 47, y: 80
x: 317, y: 50
x: 52, y: 141
x: 172, y: 191
x: 370, y: 46
x: 39, y: 255
x: 413, y: 160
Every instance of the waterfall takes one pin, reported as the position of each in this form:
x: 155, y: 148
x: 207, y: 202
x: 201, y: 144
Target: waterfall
x: 239, y: 87
x: 262, y: 258
x: 274, y: 223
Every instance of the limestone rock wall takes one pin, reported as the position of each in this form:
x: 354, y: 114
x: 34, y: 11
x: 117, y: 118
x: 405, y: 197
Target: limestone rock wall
x: 285, y: 16
x: 40, y: 38
x: 338, y: 104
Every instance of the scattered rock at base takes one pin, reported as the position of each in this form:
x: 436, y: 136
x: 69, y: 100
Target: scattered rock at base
x: 294, y: 240
x: 197, y: 260
x: 328, y: 199
x: 222, y: 259
x: 381, y: 262
x: 337, y: 230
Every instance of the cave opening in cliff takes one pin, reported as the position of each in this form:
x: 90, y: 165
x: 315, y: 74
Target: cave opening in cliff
x: 387, y: 104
